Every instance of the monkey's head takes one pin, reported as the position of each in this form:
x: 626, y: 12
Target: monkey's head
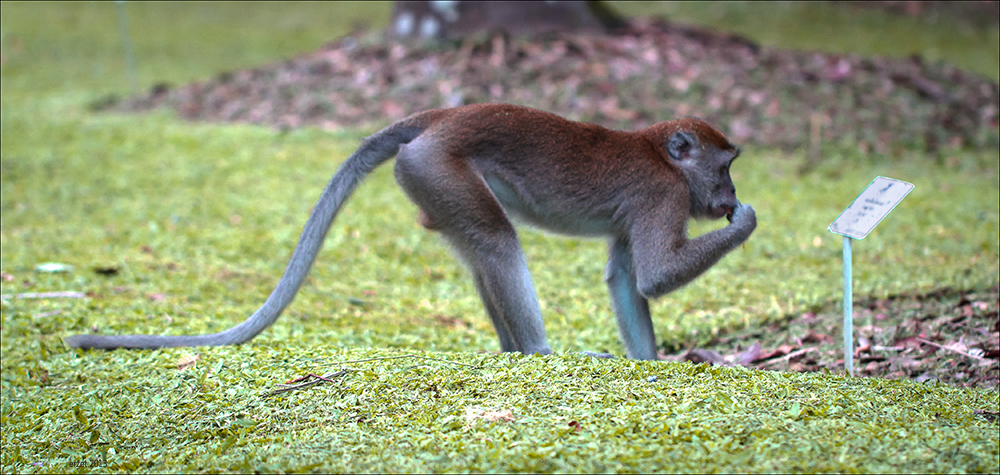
x: 704, y: 155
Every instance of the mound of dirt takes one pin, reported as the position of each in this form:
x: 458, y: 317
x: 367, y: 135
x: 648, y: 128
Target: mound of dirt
x: 648, y: 72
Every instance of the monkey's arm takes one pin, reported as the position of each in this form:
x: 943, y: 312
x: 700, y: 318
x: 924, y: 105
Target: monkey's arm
x: 663, y: 266
x: 631, y: 308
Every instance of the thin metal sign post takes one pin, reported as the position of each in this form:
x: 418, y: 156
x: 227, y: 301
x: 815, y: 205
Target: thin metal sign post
x: 848, y: 308
x: 855, y: 222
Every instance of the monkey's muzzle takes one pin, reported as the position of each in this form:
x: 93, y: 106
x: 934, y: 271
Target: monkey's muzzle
x: 717, y: 212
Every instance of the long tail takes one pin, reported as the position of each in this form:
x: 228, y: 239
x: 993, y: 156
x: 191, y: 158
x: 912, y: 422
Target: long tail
x: 376, y: 150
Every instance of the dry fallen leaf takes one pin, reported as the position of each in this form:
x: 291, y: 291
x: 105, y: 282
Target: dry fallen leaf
x: 187, y: 361
x: 473, y: 414
x: 156, y: 297
x: 781, y: 350
x: 750, y: 355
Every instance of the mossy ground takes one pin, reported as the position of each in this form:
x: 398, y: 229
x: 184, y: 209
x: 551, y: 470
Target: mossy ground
x: 200, y: 219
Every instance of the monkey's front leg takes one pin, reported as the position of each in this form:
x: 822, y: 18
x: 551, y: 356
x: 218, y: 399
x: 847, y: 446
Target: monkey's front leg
x: 631, y: 308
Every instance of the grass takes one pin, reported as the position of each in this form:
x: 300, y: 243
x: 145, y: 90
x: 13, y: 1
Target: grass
x: 200, y: 219
x: 561, y: 414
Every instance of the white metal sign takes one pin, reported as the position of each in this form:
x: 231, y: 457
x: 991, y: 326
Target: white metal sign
x: 870, y: 207
x: 867, y: 210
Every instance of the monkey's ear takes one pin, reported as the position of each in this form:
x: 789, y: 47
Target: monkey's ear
x: 680, y: 144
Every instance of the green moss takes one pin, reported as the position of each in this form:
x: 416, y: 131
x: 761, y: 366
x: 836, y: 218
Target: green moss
x: 199, y: 220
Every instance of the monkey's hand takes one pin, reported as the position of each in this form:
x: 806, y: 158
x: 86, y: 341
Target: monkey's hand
x: 743, y: 217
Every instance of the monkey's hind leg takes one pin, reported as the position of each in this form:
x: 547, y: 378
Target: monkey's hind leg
x: 457, y: 201
x: 506, y: 341
x: 500, y: 272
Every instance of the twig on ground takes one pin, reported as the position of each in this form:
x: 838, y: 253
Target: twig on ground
x: 319, y: 379
x: 396, y: 358
x: 950, y: 349
x: 326, y: 377
x: 46, y: 295
x: 310, y: 375
x: 787, y: 357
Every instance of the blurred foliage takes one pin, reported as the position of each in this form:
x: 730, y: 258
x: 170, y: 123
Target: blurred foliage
x: 836, y: 28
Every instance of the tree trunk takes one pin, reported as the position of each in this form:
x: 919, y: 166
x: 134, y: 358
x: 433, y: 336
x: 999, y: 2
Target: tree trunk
x: 457, y: 19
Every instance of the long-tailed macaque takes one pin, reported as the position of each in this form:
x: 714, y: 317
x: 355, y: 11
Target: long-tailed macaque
x: 470, y: 167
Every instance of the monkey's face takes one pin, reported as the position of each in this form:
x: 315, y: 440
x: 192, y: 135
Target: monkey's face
x: 721, y: 199
x: 706, y: 167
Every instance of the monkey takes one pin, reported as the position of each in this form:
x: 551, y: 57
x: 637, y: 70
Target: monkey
x: 471, y: 169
